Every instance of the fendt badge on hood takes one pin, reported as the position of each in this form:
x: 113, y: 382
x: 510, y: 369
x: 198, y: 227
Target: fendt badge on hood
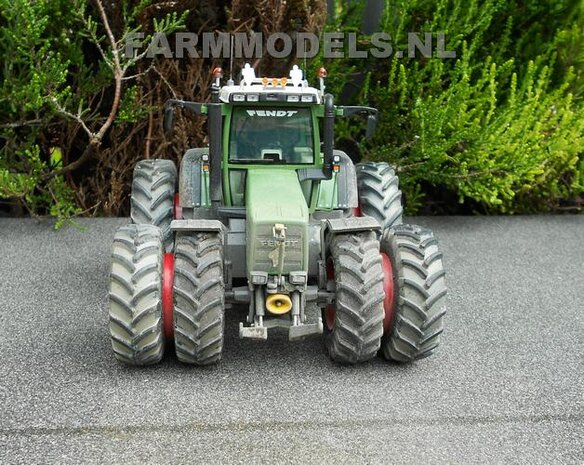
x: 277, y: 113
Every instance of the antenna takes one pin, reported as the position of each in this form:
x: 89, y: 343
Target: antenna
x: 230, y: 82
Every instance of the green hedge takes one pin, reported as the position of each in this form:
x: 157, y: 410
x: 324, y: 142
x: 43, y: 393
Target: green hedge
x: 500, y: 128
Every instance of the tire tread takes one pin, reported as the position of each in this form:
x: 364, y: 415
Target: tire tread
x: 134, y: 295
x: 199, y: 298
x: 420, y: 293
x: 379, y: 194
x: 152, y: 199
x: 358, y: 326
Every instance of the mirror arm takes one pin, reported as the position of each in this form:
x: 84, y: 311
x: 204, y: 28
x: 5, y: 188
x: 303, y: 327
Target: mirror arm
x: 351, y: 110
x: 196, y: 107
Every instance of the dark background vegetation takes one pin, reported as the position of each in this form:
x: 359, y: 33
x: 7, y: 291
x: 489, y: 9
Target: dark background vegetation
x: 499, y: 129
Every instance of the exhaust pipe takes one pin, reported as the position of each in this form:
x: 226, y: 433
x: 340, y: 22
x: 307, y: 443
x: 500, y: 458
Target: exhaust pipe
x: 215, y: 147
x: 328, y: 136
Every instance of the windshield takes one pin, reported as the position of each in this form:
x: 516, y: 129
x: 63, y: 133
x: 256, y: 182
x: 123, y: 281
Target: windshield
x: 271, y: 135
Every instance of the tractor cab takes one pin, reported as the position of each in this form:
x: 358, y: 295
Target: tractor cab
x: 268, y: 123
x: 261, y: 134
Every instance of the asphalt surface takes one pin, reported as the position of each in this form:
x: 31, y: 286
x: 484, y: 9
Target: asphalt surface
x: 506, y: 386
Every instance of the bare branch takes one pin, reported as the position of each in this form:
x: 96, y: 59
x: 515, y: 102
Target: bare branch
x: 149, y: 135
x: 109, y: 33
x: 95, y: 138
x: 165, y: 81
x: 85, y: 156
x: 118, y: 74
x: 135, y: 76
x: 76, y: 117
x: 20, y: 124
x: 132, y: 61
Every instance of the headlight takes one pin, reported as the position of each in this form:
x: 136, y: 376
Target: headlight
x: 293, y: 98
x: 307, y: 98
x: 238, y: 97
x: 253, y: 97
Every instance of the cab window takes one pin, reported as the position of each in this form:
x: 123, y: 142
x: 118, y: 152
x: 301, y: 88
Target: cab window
x: 271, y: 135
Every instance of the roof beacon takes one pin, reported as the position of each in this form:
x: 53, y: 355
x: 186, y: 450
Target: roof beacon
x: 321, y: 75
x: 217, y: 74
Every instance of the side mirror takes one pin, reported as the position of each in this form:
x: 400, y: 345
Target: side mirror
x: 371, y: 125
x: 169, y: 106
x: 168, y: 119
x: 359, y: 110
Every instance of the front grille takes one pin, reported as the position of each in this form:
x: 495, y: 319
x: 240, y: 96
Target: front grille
x: 264, y: 244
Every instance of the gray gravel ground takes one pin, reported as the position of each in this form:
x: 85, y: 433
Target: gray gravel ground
x: 506, y: 386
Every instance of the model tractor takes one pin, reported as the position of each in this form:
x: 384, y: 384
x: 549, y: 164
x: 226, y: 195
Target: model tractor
x: 271, y: 219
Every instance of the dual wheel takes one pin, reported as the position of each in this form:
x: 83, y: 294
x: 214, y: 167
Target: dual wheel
x: 390, y: 302
x: 140, y: 279
x: 390, y: 293
x: 137, y: 326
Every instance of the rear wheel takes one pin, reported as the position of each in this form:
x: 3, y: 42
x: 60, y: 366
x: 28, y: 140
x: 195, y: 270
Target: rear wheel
x: 199, y: 298
x: 420, y: 291
x: 379, y: 193
x: 354, y: 324
x: 153, y: 190
x: 134, y: 295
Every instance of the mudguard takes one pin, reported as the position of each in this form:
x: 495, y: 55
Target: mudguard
x: 198, y: 225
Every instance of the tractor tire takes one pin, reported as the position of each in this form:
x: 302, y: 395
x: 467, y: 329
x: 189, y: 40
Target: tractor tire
x: 135, y: 313
x: 379, y: 193
x: 199, y: 298
x: 152, y: 200
x: 354, y: 323
x: 420, y: 291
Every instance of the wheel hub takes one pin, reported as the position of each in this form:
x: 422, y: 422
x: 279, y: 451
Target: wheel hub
x: 167, y: 301
x: 389, y: 300
x: 177, y: 209
x: 330, y: 312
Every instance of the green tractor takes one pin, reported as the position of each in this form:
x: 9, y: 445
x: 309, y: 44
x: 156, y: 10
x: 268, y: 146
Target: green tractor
x: 271, y: 217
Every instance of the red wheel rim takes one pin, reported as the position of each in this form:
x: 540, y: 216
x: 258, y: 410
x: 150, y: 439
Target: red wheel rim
x: 178, y: 213
x: 167, y: 304
x: 330, y: 312
x: 388, y: 302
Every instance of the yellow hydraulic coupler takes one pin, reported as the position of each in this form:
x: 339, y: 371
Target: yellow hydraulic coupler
x: 278, y: 304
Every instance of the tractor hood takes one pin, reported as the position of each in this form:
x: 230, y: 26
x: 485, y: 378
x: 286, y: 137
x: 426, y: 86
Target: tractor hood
x: 274, y: 197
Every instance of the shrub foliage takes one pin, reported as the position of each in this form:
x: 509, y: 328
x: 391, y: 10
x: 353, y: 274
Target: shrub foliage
x: 498, y: 129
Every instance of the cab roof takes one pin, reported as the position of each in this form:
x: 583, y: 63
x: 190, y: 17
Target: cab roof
x: 294, y: 89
